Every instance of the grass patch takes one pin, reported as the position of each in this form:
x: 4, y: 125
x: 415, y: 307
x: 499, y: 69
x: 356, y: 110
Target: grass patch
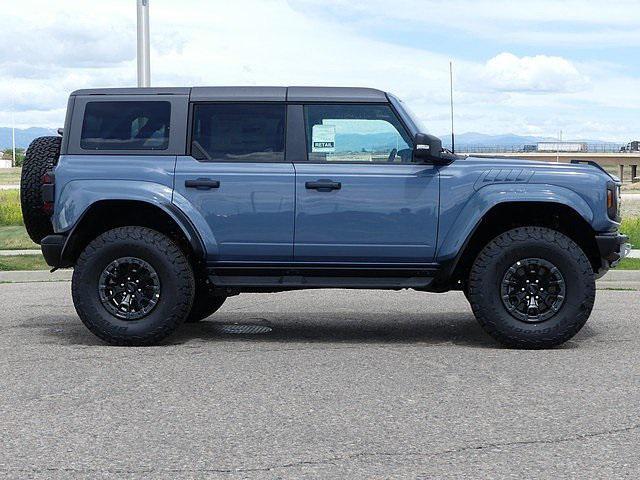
x: 629, y: 264
x: 631, y: 227
x: 10, y: 212
x: 15, y: 238
x: 10, y: 176
x: 23, y: 262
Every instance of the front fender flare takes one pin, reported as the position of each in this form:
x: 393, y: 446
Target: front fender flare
x: 456, y: 238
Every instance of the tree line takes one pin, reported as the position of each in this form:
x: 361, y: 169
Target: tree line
x: 7, y: 154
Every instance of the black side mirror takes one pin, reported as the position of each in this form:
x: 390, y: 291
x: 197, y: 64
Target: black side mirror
x: 427, y: 149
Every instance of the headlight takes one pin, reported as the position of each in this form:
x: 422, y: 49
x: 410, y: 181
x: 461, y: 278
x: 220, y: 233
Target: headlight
x: 613, y: 201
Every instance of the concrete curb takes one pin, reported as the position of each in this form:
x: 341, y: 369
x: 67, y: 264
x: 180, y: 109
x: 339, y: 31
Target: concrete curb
x: 11, y: 253
x: 23, y: 276
x: 621, y: 276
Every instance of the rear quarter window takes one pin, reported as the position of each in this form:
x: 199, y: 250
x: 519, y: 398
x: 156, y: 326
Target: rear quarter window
x: 239, y: 132
x: 126, y: 125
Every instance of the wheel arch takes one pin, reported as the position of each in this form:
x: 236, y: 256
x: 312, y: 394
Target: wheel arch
x: 504, y: 216
x: 104, y: 215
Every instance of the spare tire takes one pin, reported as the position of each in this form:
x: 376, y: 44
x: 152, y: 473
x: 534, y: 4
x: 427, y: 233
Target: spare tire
x: 42, y: 155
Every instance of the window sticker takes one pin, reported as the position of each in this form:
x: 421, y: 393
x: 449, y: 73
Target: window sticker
x: 323, y: 139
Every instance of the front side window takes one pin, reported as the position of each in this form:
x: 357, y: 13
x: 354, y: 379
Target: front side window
x: 355, y: 133
x: 125, y: 125
x: 238, y: 132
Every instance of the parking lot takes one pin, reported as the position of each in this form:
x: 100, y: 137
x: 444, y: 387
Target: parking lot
x: 346, y: 385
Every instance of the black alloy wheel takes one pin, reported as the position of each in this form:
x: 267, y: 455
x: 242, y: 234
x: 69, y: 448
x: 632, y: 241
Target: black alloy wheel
x: 533, y: 290
x: 129, y: 288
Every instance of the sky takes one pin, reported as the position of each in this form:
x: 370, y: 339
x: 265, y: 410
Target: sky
x: 523, y: 67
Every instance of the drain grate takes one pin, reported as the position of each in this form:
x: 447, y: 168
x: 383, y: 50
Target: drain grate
x: 243, y: 329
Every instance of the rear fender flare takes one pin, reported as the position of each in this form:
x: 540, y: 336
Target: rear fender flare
x: 78, y: 196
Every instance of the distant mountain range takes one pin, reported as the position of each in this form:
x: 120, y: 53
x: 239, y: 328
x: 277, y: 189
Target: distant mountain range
x: 474, y: 138
x: 347, y: 142
x: 383, y: 141
x: 23, y: 136
x: 481, y: 139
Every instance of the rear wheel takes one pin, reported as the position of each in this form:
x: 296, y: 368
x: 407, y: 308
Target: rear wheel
x: 42, y: 155
x: 531, y: 287
x: 132, y: 286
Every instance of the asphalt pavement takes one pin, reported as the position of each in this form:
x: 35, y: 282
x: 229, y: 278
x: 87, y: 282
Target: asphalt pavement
x: 347, y: 384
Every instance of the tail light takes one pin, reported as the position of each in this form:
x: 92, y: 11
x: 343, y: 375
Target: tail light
x: 48, y: 192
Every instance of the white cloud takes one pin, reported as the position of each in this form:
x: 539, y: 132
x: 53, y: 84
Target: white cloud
x: 66, y: 46
x: 540, y: 74
x: 534, y: 22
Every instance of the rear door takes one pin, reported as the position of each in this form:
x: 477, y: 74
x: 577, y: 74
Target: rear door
x: 236, y: 180
x: 359, y: 197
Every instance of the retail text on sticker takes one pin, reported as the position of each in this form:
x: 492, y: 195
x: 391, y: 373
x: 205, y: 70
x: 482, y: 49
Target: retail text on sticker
x: 323, y: 139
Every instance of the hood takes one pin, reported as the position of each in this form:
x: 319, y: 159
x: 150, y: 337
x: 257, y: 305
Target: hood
x: 538, y: 166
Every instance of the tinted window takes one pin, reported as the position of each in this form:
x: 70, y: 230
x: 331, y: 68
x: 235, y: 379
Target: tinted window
x: 242, y: 132
x: 126, y: 126
x: 355, y: 133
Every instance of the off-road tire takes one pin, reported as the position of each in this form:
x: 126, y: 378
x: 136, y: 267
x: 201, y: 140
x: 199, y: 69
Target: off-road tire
x: 42, y: 155
x: 500, y: 254
x: 205, y: 304
x: 173, y: 270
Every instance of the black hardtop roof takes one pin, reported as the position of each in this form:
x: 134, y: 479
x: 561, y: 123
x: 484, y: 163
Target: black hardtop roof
x: 261, y: 94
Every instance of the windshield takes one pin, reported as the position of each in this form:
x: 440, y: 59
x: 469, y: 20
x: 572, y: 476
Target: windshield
x: 408, y: 117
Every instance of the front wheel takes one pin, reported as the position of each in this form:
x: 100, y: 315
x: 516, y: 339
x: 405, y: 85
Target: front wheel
x: 531, y: 287
x: 132, y: 286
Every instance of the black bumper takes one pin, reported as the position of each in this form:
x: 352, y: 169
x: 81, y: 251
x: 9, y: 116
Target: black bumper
x: 612, y: 247
x: 52, y: 247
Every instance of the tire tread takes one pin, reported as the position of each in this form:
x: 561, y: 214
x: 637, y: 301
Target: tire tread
x: 41, y: 156
x: 488, y: 318
x: 181, y: 270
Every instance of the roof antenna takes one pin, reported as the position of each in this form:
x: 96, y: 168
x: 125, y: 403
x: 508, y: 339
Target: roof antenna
x: 453, y: 144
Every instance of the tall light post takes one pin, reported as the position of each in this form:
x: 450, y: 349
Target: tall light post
x: 144, y: 67
x: 13, y: 139
x: 453, y: 141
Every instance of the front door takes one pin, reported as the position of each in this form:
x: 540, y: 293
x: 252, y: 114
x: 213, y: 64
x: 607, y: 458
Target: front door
x: 359, y: 197
x: 236, y: 180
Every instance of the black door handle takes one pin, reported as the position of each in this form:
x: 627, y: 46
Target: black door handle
x: 323, y: 185
x: 202, y: 183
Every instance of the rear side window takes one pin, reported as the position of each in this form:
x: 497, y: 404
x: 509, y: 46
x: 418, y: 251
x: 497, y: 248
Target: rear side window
x: 126, y: 126
x: 238, y: 132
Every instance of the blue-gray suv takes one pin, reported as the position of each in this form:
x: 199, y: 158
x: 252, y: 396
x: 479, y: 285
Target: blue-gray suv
x: 166, y: 201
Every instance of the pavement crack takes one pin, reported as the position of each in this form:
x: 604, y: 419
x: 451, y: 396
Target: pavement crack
x: 549, y: 441
x: 330, y: 460
x: 487, y: 446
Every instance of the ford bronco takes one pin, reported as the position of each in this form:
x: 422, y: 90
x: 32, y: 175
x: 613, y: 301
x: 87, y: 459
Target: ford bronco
x: 166, y: 201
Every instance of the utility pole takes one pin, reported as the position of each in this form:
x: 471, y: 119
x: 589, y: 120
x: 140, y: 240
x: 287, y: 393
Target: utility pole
x: 144, y: 67
x: 13, y: 138
x: 453, y: 143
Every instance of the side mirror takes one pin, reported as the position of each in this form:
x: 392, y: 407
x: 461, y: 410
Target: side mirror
x: 427, y: 149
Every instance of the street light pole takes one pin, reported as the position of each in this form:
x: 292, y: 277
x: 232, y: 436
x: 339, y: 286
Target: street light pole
x: 144, y: 68
x: 453, y: 141
x: 13, y: 139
